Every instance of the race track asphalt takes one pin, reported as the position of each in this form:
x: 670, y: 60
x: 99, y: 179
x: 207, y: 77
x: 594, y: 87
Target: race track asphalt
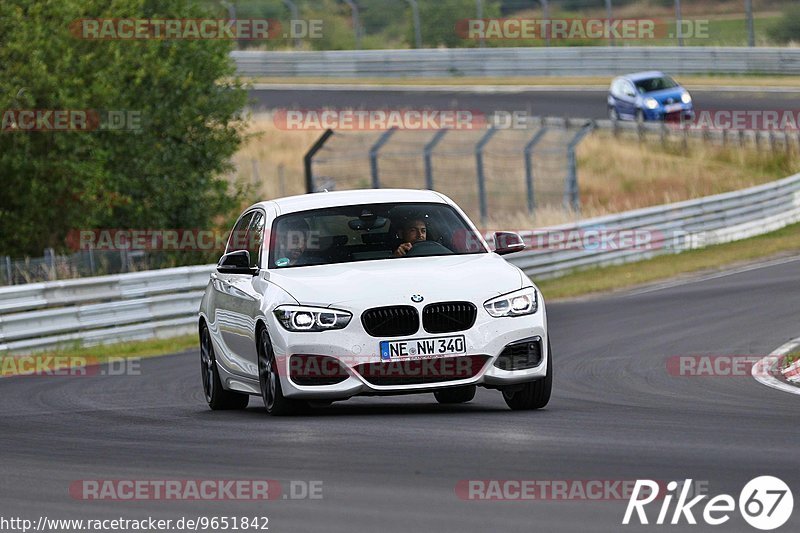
x: 563, y: 103
x: 391, y: 464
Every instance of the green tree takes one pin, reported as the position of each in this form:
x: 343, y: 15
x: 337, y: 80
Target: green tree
x: 163, y: 174
x: 438, y: 22
x: 787, y: 28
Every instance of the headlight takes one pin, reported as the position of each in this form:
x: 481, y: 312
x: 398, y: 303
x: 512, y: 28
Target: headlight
x: 302, y: 318
x: 686, y: 98
x: 651, y: 103
x: 518, y: 303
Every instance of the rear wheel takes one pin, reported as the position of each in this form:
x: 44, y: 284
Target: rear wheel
x: 533, y: 395
x: 457, y: 395
x: 217, y: 397
x: 269, y: 380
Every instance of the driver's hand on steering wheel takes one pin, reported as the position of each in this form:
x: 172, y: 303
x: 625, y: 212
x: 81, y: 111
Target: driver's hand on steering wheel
x: 403, y: 249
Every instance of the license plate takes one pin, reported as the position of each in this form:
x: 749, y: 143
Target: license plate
x: 673, y: 107
x: 425, y: 347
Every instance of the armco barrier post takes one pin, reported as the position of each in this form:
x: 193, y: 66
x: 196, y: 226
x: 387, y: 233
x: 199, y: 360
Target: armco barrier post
x: 373, y: 156
x: 308, y: 159
x: 428, y: 150
x: 481, y: 177
x: 415, y: 20
x: 571, y: 196
x: 529, y: 146
x: 295, y: 14
x: 356, y: 24
x: 9, y: 272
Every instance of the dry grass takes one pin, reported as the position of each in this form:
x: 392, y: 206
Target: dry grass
x: 620, y: 174
x: 614, y: 174
x: 270, y: 161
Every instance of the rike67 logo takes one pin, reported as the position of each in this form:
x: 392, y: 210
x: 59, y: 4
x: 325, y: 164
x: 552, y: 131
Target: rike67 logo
x: 765, y: 503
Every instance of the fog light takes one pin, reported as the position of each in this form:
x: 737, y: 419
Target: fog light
x: 521, y: 355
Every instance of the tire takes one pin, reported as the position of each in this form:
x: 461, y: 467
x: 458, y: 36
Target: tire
x: 533, y: 395
x: 218, y: 398
x: 457, y: 395
x: 275, y: 402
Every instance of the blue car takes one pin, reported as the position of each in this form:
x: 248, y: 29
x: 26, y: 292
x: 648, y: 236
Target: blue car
x: 648, y: 95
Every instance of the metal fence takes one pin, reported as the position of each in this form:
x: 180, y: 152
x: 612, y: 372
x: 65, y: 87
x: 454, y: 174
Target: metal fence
x: 85, y: 263
x: 491, y: 62
x: 484, y: 170
x: 163, y: 303
x: 774, y: 140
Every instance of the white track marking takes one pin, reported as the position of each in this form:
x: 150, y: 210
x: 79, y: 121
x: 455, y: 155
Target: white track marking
x: 761, y: 372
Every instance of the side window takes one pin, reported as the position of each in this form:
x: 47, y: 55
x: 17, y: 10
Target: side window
x: 238, y: 237
x: 255, y: 237
x: 616, y: 88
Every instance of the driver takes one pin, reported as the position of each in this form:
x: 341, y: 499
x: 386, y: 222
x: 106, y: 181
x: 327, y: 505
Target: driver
x: 411, y: 230
x: 294, y: 243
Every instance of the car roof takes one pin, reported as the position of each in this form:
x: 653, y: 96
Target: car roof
x: 648, y: 74
x: 319, y: 200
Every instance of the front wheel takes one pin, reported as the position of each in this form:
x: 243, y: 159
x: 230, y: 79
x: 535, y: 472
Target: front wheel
x: 217, y: 397
x: 274, y: 401
x: 533, y: 395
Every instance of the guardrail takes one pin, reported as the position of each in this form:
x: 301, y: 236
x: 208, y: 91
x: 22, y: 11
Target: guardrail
x: 164, y: 303
x: 554, y: 61
x: 122, y: 307
x: 670, y: 228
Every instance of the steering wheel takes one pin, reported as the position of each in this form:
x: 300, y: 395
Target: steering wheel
x: 423, y: 248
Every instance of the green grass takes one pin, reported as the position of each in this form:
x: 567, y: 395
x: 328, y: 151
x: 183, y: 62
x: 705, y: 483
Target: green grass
x: 727, y: 32
x: 791, y: 358
x: 76, y: 355
x: 660, y: 268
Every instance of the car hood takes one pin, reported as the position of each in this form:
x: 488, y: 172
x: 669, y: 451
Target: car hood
x: 393, y: 281
x: 663, y: 96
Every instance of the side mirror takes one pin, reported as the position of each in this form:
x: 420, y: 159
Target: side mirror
x: 237, y: 262
x: 507, y: 242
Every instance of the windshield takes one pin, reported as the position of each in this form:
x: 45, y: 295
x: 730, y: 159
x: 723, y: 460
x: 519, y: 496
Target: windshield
x: 366, y: 232
x: 655, y: 84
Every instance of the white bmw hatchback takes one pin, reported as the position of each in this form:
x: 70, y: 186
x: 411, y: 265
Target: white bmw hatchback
x: 326, y: 296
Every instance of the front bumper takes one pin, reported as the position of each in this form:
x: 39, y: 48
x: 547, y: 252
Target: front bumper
x: 355, y: 350
x: 685, y: 112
